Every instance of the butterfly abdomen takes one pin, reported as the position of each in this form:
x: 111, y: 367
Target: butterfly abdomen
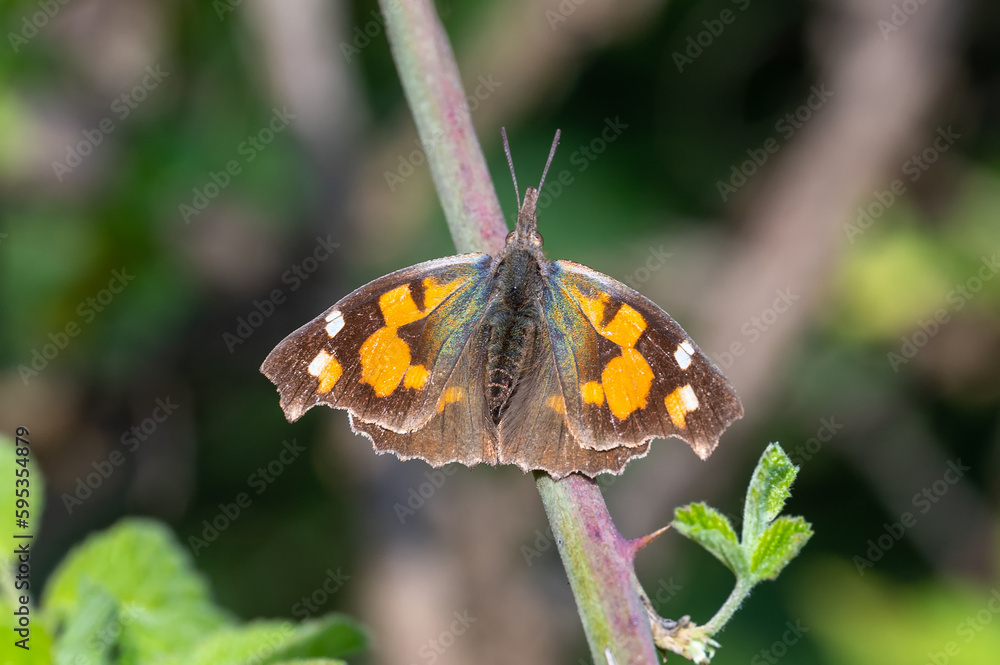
x: 510, y: 326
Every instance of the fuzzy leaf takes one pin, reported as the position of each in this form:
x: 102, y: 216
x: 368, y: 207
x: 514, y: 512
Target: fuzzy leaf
x: 780, y: 544
x: 713, y: 531
x: 267, y: 642
x: 163, y: 604
x: 89, y: 636
x: 767, y: 493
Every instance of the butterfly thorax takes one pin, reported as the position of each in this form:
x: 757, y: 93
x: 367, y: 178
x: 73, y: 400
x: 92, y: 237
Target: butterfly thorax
x: 512, y: 318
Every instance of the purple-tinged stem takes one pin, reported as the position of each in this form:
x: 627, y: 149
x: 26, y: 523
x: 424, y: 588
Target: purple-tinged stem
x: 598, y: 560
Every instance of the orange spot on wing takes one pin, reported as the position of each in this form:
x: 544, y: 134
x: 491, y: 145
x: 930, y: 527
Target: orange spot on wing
x: 556, y: 403
x: 434, y: 293
x: 593, y: 308
x: 385, y: 357
x: 398, y: 307
x: 450, y: 396
x: 626, y: 328
x: 384, y: 361
x: 416, y: 377
x: 593, y: 393
x: 680, y: 403
x: 627, y: 380
x: 325, y: 368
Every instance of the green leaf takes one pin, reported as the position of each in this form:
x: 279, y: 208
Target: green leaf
x: 713, y: 531
x: 780, y: 544
x: 331, y: 636
x: 164, y: 606
x: 89, y: 636
x: 767, y: 493
x: 267, y: 642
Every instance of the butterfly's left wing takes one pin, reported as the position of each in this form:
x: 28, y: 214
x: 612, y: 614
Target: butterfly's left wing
x: 628, y: 372
x: 534, y: 433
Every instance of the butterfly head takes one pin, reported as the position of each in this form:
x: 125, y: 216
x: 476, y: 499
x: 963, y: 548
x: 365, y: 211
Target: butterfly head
x: 525, y: 235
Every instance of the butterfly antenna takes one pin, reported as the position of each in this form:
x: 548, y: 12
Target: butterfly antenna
x: 510, y: 163
x: 552, y: 153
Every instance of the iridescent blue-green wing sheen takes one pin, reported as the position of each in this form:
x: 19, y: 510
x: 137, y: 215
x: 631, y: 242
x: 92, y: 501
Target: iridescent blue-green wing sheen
x: 386, y: 351
x: 534, y: 433
x: 628, y: 372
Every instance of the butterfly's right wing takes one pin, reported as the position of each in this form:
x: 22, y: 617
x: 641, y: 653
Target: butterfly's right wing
x: 387, y: 351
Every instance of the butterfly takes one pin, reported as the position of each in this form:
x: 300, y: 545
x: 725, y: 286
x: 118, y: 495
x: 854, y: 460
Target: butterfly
x: 506, y: 359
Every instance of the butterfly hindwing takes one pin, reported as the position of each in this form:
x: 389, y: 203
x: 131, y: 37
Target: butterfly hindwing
x: 628, y: 371
x: 386, y: 351
x: 534, y: 433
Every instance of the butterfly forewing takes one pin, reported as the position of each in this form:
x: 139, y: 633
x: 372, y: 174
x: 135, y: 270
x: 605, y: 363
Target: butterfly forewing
x: 386, y: 351
x: 628, y: 371
x: 458, y: 431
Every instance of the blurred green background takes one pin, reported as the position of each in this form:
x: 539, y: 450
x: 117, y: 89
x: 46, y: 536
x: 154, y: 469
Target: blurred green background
x: 810, y: 188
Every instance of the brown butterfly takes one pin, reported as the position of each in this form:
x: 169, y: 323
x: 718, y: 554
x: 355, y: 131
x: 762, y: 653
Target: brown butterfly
x: 506, y: 359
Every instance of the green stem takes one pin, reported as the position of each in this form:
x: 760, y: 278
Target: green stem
x: 434, y: 92
x: 598, y: 561
x: 736, y: 598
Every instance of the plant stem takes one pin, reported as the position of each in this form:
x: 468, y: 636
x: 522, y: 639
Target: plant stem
x: 434, y: 92
x: 598, y: 560
x: 736, y: 598
x: 598, y: 563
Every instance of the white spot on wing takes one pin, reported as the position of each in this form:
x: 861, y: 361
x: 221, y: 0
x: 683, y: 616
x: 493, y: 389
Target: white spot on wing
x: 690, y: 399
x: 335, y: 321
x: 686, y: 345
x: 683, y: 356
x: 319, y: 363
